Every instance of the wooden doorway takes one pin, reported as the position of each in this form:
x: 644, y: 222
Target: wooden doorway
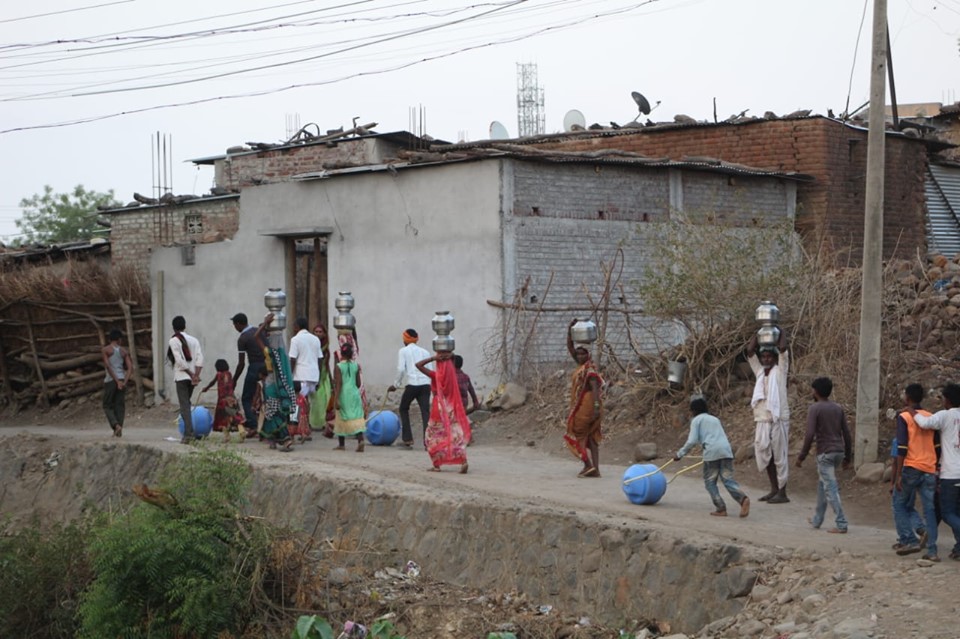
x: 308, y: 271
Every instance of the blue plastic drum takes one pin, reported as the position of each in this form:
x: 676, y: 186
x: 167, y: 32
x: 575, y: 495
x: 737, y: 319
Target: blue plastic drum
x: 383, y: 427
x: 645, y: 491
x: 202, y: 422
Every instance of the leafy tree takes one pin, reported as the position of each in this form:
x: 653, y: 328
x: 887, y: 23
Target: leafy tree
x: 50, y: 217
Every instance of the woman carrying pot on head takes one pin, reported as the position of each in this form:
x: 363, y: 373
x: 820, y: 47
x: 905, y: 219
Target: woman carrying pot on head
x: 583, y: 434
x: 347, y: 382
x: 448, y: 429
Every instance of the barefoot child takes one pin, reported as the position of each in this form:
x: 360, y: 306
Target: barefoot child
x: 228, y: 415
x: 707, y: 431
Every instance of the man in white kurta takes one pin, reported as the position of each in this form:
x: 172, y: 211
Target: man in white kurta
x: 771, y: 413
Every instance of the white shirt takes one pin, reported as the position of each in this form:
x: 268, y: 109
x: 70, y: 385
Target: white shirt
x: 305, y: 347
x: 760, y: 410
x: 182, y: 369
x: 407, y: 372
x: 948, y: 423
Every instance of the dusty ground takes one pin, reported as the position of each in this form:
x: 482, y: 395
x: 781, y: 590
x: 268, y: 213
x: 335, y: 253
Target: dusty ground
x: 822, y: 582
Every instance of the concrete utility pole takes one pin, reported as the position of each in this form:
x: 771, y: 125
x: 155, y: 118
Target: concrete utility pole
x: 868, y: 369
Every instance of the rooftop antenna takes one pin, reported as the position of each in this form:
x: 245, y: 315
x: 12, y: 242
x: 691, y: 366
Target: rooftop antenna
x: 574, y: 121
x: 643, y: 104
x: 531, y: 117
x: 498, y: 131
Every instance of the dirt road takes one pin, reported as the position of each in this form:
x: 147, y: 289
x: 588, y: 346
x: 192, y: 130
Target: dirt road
x: 823, y: 578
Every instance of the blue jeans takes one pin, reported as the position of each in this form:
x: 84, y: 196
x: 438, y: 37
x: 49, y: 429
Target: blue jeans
x: 721, y: 469
x: 950, y: 508
x: 915, y: 482
x: 828, y: 490
x: 246, y: 397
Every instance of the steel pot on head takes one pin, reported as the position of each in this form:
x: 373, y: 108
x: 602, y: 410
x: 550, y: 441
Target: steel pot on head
x: 584, y: 332
x: 274, y: 299
x: 444, y: 343
x: 344, y: 302
x: 768, y: 313
x: 344, y: 321
x: 279, y: 321
x: 442, y: 323
x: 768, y: 336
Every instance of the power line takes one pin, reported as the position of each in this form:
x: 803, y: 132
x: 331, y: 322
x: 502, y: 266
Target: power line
x: 57, y: 13
x: 537, y: 32
x: 853, y: 65
x: 275, y: 65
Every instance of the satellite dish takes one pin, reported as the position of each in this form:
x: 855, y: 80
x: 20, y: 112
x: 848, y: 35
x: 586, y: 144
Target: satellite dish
x: 574, y: 121
x: 498, y: 131
x: 641, y: 101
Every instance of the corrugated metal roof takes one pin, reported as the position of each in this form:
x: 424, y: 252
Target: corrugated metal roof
x: 942, y: 189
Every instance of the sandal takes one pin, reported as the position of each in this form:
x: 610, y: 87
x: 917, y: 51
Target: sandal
x: 118, y: 431
x: 434, y: 469
x: 593, y: 472
x: 586, y: 472
x: 464, y: 467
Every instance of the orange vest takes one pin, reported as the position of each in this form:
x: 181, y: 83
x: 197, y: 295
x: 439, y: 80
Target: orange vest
x: 921, y: 453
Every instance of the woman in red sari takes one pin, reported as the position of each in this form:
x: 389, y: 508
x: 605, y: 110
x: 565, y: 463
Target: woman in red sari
x: 448, y: 429
x: 583, y: 422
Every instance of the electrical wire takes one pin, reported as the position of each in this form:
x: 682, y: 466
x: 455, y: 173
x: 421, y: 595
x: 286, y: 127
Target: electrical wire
x: 57, y: 13
x: 506, y: 7
x: 853, y: 65
x: 535, y: 33
x: 263, y: 67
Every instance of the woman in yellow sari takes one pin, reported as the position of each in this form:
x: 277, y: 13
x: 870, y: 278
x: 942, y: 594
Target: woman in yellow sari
x: 583, y: 434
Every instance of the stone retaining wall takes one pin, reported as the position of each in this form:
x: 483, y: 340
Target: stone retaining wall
x: 610, y: 572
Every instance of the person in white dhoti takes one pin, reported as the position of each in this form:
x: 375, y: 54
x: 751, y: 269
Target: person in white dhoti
x: 771, y: 412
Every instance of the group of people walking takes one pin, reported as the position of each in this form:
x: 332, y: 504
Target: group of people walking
x: 287, y: 393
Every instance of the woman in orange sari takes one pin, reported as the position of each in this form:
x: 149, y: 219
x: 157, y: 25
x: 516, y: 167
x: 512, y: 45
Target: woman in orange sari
x: 448, y: 429
x: 583, y: 422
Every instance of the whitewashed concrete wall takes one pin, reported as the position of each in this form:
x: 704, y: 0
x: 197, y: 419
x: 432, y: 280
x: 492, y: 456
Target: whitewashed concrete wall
x: 405, y: 244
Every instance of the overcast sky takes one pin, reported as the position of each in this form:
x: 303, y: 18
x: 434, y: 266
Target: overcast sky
x: 228, y: 63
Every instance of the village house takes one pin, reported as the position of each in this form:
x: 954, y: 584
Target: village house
x: 485, y: 228
x: 410, y: 231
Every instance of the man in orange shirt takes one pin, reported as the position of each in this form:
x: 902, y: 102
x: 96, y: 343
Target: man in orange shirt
x: 915, y: 472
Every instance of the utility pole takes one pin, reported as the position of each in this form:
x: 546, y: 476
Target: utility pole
x: 868, y: 369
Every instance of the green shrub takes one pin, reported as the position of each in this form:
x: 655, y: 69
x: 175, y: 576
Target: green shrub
x: 181, y: 564
x: 44, y: 571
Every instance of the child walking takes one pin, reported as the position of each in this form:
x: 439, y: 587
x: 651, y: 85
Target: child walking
x: 228, y: 415
x: 707, y: 431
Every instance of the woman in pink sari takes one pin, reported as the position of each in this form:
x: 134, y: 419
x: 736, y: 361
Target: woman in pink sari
x: 448, y: 429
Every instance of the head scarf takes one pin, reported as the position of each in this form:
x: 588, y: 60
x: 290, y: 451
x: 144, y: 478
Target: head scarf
x: 409, y: 339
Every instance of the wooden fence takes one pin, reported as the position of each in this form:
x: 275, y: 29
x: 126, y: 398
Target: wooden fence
x: 51, y: 351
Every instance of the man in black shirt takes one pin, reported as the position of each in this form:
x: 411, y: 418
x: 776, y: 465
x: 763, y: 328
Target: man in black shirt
x: 248, y: 350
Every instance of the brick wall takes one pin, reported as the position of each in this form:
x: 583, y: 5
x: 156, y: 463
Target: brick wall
x: 830, y: 209
x: 135, y: 232
x: 277, y: 165
x: 560, y: 240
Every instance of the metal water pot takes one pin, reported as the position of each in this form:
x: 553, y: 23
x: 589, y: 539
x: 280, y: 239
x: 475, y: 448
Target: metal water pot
x: 344, y: 321
x: 584, y: 332
x: 279, y: 321
x: 344, y: 301
x: 444, y: 343
x: 442, y: 323
x: 768, y: 336
x: 768, y: 313
x: 274, y: 299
